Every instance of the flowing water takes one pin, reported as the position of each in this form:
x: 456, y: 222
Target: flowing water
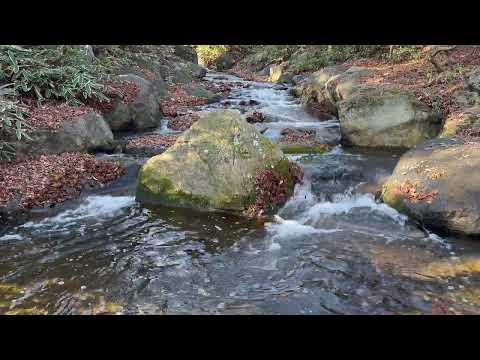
x: 332, y: 249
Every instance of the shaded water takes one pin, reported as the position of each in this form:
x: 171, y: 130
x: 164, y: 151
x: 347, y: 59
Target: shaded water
x: 333, y: 248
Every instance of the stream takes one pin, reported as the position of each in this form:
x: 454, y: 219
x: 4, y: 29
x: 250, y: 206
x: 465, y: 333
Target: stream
x: 334, y: 248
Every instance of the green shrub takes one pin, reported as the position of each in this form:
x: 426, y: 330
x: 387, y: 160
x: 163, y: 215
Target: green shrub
x: 63, y: 73
x: 12, y: 117
x: 207, y: 54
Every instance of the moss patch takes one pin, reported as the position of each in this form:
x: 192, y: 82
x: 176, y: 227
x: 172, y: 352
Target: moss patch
x: 166, y: 194
x: 305, y: 149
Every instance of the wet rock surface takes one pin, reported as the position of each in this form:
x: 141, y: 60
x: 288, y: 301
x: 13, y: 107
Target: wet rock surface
x: 430, y: 184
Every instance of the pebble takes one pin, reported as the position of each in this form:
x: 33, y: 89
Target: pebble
x: 83, y: 287
x: 61, y: 283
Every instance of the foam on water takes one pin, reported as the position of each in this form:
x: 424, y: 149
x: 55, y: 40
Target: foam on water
x: 345, y: 203
x: 9, y: 237
x: 306, y: 211
x: 291, y: 229
x: 94, y: 207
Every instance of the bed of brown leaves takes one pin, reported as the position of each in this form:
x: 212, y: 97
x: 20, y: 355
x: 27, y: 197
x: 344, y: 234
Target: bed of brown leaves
x: 271, y: 189
x: 297, y: 136
x: 217, y: 87
x: 182, y: 123
x: 414, y: 76
x: 52, y: 179
x: 154, y: 141
x: 178, y: 101
x: 126, y: 91
x: 51, y: 115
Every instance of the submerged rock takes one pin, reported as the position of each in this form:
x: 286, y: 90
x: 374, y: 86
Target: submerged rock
x: 386, y: 118
x: 213, y: 165
x: 437, y: 183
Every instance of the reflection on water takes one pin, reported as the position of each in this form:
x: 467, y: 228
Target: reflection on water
x: 332, y: 249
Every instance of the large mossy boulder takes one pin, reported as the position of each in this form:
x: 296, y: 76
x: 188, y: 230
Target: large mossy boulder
x: 386, y: 118
x: 85, y: 133
x: 438, y: 183
x: 141, y: 113
x: 213, y: 165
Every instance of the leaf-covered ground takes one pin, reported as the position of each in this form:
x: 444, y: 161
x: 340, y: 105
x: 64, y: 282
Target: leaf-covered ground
x: 52, y: 179
x: 178, y: 102
x: 420, y: 77
x: 152, y: 141
x: 51, y: 114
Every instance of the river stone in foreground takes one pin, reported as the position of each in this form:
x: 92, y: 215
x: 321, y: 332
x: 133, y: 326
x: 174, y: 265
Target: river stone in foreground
x: 386, y: 118
x: 88, y: 132
x: 211, y: 166
x: 438, y: 183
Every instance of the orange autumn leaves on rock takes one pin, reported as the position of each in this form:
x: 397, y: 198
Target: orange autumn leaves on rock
x: 51, y: 115
x: 271, y: 189
x: 410, y: 192
x: 125, y: 91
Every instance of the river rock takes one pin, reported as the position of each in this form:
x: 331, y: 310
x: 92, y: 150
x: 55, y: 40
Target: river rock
x: 386, y: 118
x: 143, y: 112
x: 265, y: 71
x: 278, y: 74
x: 185, y: 52
x: 466, y: 98
x: 314, y: 86
x: 88, y: 132
x: 199, y: 91
x: 211, y: 166
x: 224, y: 62
x: 473, y: 81
x: 438, y: 183
x: 341, y: 86
x: 462, y: 122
